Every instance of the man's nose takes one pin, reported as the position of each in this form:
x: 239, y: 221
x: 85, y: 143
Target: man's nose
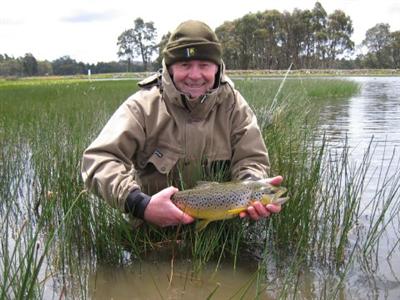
x: 195, y: 72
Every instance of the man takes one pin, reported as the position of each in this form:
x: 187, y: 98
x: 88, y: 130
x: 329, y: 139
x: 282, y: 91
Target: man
x: 187, y: 118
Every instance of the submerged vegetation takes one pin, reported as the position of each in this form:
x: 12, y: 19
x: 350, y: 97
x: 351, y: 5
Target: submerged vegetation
x: 53, y: 229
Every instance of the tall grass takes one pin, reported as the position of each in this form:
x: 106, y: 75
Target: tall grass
x: 53, y: 228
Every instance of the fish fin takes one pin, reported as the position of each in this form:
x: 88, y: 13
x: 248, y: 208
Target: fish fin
x: 200, y: 225
x: 205, y: 184
x: 235, y: 211
x: 281, y: 200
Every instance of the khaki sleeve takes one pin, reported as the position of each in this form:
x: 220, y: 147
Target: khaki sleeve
x: 107, y: 168
x: 249, y: 153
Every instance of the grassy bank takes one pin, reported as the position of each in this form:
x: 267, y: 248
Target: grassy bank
x: 232, y: 73
x: 54, y: 229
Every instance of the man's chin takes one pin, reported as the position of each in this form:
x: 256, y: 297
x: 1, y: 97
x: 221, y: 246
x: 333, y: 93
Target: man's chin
x: 195, y: 95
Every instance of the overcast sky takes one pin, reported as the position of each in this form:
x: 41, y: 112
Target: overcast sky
x: 87, y: 30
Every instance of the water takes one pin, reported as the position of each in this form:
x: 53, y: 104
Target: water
x: 373, y: 113
x: 372, y: 119
x: 154, y: 280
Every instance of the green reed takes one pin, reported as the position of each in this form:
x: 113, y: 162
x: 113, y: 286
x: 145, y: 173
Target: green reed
x: 45, y: 126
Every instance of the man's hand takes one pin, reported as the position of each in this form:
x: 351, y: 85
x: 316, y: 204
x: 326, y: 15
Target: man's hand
x: 162, y: 212
x: 257, y: 210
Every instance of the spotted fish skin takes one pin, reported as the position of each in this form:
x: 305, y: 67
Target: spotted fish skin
x: 216, y: 201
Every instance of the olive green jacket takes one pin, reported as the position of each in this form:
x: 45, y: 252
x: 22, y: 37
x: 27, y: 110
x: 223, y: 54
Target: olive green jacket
x: 158, y: 138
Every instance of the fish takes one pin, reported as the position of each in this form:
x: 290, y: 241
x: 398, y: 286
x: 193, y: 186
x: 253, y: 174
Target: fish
x: 212, y: 201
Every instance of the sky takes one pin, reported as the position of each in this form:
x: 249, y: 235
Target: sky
x: 87, y: 30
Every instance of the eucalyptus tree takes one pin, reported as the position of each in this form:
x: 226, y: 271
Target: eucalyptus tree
x: 320, y: 34
x: 125, y: 49
x: 230, y: 46
x: 274, y: 38
x: 378, y: 40
x: 307, y: 46
x: 377, y: 37
x: 44, y: 68
x: 66, y: 65
x: 395, y: 49
x: 161, y: 45
x: 138, y: 42
x: 245, y: 29
x: 9, y: 66
x: 262, y: 49
x: 294, y: 30
x: 29, y: 65
x: 339, y: 29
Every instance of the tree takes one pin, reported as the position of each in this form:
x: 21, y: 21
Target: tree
x: 10, y: 66
x: 271, y: 39
x: 377, y: 37
x: 29, y: 65
x: 395, y: 47
x: 45, y: 68
x: 378, y: 41
x: 161, y: 45
x: 138, y: 41
x: 230, y: 46
x: 67, y: 66
x: 340, y: 29
x: 244, y: 29
x: 307, y: 44
x: 319, y: 27
x: 295, y: 37
x: 125, y: 50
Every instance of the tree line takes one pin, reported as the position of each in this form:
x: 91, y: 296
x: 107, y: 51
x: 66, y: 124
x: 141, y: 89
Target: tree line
x: 28, y: 65
x: 274, y: 40
x: 262, y: 40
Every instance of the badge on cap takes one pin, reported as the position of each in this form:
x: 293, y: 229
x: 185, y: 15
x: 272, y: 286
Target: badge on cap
x: 190, y: 52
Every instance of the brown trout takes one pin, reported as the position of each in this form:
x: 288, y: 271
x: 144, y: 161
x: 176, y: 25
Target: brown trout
x: 213, y: 201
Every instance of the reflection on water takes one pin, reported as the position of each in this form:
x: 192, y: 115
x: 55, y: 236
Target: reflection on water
x: 154, y: 280
x: 371, y: 116
x: 374, y: 112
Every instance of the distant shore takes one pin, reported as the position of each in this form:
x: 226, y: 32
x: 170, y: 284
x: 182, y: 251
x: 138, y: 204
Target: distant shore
x: 232, y: 73
x: 317, y: 72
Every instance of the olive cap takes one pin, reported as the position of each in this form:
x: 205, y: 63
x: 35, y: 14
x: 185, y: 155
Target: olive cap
x: 193, y: 40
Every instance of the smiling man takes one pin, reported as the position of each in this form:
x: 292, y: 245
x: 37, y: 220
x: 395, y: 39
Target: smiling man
x: 194, y: 78
x: 186, y: 116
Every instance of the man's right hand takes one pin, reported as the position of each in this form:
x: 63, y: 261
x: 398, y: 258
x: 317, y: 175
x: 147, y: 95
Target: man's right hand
x: 162, y: 212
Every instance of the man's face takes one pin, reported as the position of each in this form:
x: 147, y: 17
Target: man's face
x: 195, y: 77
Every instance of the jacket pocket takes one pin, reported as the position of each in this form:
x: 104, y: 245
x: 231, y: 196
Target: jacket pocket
x: 153, y: 173
x: 163, y: 160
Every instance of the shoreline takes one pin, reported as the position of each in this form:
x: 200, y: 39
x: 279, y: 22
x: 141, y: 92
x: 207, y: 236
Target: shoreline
x: 233, y: 73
